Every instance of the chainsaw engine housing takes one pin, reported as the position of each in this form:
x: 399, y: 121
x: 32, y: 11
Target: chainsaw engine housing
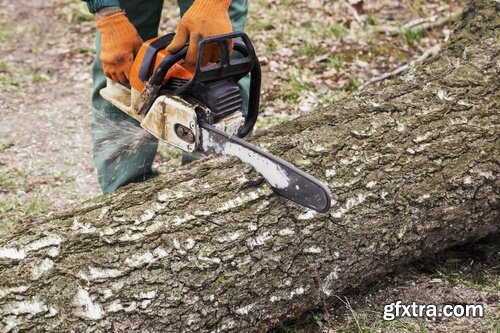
x: 170, y: 97
x: 176, y: 121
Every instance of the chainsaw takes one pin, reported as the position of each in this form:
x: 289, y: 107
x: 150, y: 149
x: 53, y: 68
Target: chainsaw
x: 198, y: 109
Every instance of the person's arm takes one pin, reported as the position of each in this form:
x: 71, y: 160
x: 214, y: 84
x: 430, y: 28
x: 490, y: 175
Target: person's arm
x: 120, y: 41
x: 205, y: 18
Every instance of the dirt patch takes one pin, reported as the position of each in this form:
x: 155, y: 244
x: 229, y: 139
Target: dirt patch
x: 45, y: 88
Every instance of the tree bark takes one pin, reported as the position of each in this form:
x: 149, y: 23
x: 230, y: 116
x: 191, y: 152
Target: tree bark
x: 412, y: 166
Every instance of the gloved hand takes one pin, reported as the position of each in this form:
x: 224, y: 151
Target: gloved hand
x: 205, y: 18
x: 120, y: 42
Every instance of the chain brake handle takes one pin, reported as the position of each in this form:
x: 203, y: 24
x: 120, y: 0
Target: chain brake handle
x: 224, y: 68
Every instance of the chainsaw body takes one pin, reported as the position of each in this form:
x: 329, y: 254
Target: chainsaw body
x: 170, y: 97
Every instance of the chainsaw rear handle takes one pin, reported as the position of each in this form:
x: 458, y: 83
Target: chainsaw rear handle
x: 225, y: 68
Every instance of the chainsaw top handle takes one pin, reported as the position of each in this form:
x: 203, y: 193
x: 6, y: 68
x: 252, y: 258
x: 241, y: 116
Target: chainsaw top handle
x: 224, y: 68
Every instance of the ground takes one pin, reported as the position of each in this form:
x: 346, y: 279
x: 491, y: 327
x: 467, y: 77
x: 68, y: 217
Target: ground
x: 313, y: 53
x: 463, y: 275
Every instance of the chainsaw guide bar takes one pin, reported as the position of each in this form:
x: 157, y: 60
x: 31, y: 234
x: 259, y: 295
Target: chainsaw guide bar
x: 199, y: 110
x: 286, y: 179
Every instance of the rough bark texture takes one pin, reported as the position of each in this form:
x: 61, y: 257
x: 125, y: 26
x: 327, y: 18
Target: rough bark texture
x: 413, y: 168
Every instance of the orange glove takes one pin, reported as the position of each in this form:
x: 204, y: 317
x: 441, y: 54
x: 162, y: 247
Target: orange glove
x: 120, y: 42
x: 205, y: 18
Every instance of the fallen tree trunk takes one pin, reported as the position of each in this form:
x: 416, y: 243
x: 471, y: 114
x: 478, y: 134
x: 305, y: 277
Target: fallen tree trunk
x: 413, y: 168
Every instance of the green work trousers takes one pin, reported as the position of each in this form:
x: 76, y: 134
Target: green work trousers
x: 122, y: 152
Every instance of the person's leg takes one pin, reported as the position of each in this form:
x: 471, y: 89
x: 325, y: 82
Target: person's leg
x: 123, y: 152
x: 238, y: 12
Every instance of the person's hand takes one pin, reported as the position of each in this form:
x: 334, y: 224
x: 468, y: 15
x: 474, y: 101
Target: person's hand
x: 120, y: 42
x: 205, y: 18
